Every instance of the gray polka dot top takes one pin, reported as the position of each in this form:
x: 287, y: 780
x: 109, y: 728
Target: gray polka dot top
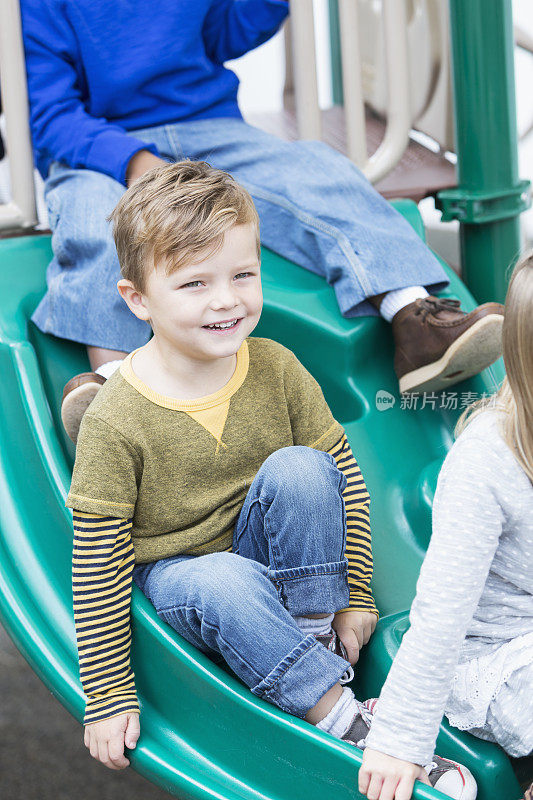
x: 474, y: 593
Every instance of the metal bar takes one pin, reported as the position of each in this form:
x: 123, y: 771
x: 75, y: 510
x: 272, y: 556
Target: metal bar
x: 11, y: 217
x: 304, y: 60
x: 288, y: 86
x: 523, y: 39
x: 22, y: 211
x: 486, y: 136
x: 354, y: 105
x: 337, y: 90
x: 396, y: 136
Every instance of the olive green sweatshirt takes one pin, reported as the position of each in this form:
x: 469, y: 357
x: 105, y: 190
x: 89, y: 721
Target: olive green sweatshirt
x: 182, y: 469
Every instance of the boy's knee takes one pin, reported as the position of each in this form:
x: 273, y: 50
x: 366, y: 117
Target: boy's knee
x: 299, y: 467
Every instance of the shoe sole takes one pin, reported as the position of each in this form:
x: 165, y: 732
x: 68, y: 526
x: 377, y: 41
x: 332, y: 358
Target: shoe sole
x: 477, y: 348
x: 75, y: 405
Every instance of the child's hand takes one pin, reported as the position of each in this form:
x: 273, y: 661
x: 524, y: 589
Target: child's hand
x: 383, y: 777
x: 354, y: 629
x: 106, y: 739
x: 141, y: 162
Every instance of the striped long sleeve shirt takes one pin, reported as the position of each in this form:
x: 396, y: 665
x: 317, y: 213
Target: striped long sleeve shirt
x: 103, y: 560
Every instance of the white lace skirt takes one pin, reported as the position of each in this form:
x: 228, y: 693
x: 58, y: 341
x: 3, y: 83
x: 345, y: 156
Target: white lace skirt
x: 492, y: 696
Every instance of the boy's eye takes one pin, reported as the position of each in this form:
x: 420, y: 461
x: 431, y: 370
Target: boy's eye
x: 192, y: 283
x: 242, y: 274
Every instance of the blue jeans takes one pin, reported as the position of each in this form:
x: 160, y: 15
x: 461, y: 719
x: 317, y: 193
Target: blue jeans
x: 287, y: 560
x: 315, y: 208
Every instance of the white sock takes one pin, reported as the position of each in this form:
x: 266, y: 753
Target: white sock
x: 318, y: 627
x: 341, y: 715
x: 399, y: 298
x: 107, y: 369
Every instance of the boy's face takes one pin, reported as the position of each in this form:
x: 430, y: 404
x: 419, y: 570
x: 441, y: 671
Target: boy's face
x: 220, y: 288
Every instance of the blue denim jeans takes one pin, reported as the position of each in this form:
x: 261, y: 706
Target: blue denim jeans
x: 287, y: 560
x: 315, y: 207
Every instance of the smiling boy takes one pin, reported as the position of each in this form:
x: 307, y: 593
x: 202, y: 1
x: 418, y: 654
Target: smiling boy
x: 210, y: 470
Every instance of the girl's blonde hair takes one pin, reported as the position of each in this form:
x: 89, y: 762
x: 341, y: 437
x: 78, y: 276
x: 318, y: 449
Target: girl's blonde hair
x: 175, y: 212
x: 515, y: 396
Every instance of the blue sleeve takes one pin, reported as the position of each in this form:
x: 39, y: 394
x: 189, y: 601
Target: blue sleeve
x: 62, y: 130
x: 234, y: 27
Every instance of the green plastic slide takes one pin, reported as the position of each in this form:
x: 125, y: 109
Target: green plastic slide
x: 203, y: 734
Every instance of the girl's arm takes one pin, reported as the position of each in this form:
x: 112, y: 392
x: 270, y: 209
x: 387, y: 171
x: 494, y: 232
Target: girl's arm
x: 467, y: 523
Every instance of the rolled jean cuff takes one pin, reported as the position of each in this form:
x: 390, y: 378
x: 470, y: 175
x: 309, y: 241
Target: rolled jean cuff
x: 298, y: 682
x: 312, y: 589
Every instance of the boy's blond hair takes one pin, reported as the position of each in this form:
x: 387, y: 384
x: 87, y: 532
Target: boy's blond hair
x: 173, y: 213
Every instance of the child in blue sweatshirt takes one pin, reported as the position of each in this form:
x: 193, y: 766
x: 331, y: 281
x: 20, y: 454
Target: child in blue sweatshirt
x: 117, y: 88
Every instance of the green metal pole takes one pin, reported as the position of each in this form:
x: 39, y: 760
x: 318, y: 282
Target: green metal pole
x: 489, y: 197
x: 335, y: 51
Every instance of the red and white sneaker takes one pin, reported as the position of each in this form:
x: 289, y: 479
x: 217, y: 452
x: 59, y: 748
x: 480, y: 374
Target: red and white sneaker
x: 451, y: 778
x: 447, y: 776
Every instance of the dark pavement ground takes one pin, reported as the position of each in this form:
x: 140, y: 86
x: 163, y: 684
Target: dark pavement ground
x: 42, y: 755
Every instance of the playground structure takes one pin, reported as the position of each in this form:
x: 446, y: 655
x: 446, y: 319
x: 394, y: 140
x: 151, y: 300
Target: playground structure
x: 203, y: 733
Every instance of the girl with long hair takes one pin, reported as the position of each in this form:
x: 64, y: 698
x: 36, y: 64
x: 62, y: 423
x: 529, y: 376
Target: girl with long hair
x: 469, y: 650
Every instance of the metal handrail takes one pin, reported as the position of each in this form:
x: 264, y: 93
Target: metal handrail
x: 308, y: 114
x: 396, y: 137
x: 354, y: 104
x: 21, y: 212
x: 302, y: 40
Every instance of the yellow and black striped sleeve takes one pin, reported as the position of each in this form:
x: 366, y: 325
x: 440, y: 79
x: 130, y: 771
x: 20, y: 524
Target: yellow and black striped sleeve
x: 102, y: 566
x: 358, y: 539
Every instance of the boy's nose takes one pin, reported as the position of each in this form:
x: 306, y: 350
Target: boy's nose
x: 224, y: 298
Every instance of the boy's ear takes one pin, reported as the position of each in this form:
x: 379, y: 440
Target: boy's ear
x: 133, y: 298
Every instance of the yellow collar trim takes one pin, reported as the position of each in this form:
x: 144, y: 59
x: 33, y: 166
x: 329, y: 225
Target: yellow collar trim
x: 198, y: 403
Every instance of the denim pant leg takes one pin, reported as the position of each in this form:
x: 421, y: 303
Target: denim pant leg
x: 226, y: 604
x: 82, y: 302
x: 317, y: 209
x: 293, y: 521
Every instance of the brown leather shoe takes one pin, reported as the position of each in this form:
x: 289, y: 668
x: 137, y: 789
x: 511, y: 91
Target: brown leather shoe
x: 438, y: 345
x: 78, y: 395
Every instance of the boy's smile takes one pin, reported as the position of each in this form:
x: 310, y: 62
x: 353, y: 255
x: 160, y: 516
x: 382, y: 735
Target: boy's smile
x: 226, y: 326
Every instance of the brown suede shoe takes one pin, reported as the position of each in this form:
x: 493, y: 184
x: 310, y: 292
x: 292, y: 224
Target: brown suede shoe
x: 78, y: 395
x: 438, y: 345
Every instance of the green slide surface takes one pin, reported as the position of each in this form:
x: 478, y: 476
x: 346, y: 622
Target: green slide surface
x: 203, y: 734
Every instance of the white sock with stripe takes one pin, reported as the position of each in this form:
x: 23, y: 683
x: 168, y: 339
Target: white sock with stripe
x: 318, y: 627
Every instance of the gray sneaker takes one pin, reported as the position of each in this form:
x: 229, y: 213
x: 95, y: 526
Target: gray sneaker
x: 447, y: 776
x: 332, y: 642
